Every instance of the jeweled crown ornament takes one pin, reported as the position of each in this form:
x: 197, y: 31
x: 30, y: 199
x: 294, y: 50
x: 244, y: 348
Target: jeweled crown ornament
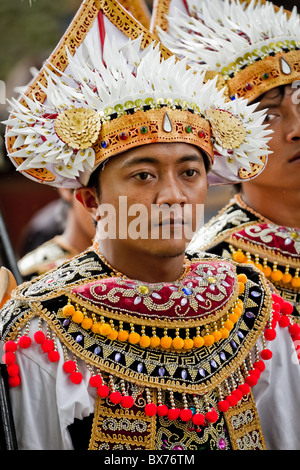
x: 110, y: 86
x: 252, y: 46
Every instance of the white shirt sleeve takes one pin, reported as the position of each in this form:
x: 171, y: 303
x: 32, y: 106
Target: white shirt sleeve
x: 47, y: 402
x: 277, y: 395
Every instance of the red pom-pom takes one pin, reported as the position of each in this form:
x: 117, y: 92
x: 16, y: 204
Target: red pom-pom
x: 286, y: 308
x: 260, y: 365
x: 76, y: 377
x: 24, y: 342
x: 237, y: 393
x: 255, y: 372
x: 127, y: 401
x: 198, y: 419
x: 115, y: 397
x: 39, y: 337
x: 103, y: 391
x: 53, y: 356
x: 10, y: 346
x: 266, y: 354
x: 9, y: 358
x: 186, y: 414
x: 69, y: 366
x: 276, y: 317
x: 150, y: 409
x: 277, y: 299
x: 251, y: 380
x: 47, y: 346
x: 13, y: 370
x: 270, y: 334
x: 223, y: 405
x: 173, y: 413
x: 211, y: 416
x: 162, y: 410
x: 284, y: 321
x: 95, y: 381
x: 14, y: 381
x: 244, y: 388
x: 294, y: 329
x: 232, y: 400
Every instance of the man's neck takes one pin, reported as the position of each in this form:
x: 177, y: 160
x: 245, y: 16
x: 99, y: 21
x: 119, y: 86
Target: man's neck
x: 146, y: 268
x: 281, y: 207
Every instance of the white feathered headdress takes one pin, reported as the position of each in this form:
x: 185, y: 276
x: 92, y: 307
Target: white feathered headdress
x: 110, y: 92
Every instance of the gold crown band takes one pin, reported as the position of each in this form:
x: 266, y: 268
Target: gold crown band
x: 155, y: 125
x: 265, y: 74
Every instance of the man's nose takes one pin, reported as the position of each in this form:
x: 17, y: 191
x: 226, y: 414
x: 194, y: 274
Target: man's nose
x: 292, y: 124
x: 170, y: 192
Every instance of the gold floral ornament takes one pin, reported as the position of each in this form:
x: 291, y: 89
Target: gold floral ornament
x: 79, y: 127
x: 228, y: 130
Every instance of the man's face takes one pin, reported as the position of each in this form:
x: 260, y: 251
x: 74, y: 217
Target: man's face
x: 283, y: 116
x: 156, y: 191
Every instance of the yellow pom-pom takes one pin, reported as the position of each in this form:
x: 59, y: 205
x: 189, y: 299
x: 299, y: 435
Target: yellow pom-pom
x: 123, y: 335
x: 188, y: 343
x: 68, y: 310
x: 267, y: 271
x: 296, y: 282
x: 225, y: 333
x: 228, y: 325
x: 154, y: 341
x: 87, y: 323
x: 105, y: 329
x: 209, y: 340
x: 177, y: 343
x: 242, y: 278
x: 276, y: 275
x: 217, y: 335
x: 166, y: 342
x: 145, y: 341
x: 198, y: 341
x: 241, y: 288
x: 77, y: 316
x: 286, y: 278
x: 233, y: 317
x: 133, y: 337
x: 238, y: 256
x: 237, y: 311
x: 113, y: 335
x: 96, y: 328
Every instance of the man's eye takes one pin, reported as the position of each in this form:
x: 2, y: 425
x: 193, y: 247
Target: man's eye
x: 191, y: 172
x: 143, y: 175
x: 269, y: 117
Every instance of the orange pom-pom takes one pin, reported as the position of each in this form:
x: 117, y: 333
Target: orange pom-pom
x: 238, y: 256
x: 242, y: 278
x: 68, y: 310
x: 123, y: 335
x: 225, y: 332
x: 241, y: 288
x: 154, y: 341
x: 276, y: 275
x: 113, y: 335
x: 296, y: 282
x: 133, y: 337
x: 144, y: 341
x: 228, y: 325
x: 166, y: 342
x: 188, y: 343
x: 78, y: 316
x: 87, y: 323
x: 96, y: 328
x: 233, y: 317
x: 177, y: 343
x: 209, y: 340
x: 217, y: 335
x: 105, y: 329
x: 198, y: 341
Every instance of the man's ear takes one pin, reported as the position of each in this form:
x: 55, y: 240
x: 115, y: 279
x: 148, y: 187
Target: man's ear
x: 88, y: 198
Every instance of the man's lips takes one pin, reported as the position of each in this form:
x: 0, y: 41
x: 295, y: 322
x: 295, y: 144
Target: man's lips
x: 295, y: 158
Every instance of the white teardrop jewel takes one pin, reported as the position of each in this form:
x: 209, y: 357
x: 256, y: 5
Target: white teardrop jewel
x: 167, y: 125
x: 285, y: 68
